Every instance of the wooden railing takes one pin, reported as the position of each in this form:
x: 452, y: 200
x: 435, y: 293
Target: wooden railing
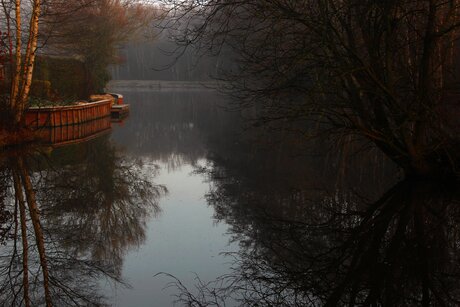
x: 38, y: 117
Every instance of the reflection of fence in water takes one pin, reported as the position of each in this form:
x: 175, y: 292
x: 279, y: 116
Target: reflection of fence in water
x: 73, y: 134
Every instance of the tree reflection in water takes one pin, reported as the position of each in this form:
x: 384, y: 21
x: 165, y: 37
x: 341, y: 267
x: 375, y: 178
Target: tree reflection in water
x: 67, y: 220
x: 334, y: 248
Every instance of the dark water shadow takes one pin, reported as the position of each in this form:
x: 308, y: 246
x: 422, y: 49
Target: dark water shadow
x: 312, y: 235
x: 401, y: 250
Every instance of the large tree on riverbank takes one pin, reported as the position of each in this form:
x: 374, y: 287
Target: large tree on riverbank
x: 22, y: 64
x: 383, y: 70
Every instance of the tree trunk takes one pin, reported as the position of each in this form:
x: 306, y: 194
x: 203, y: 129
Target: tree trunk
x: 18, y: 57
x: 29, y: 60
x: 35, y: 216
x: 21, y: 79
x: 25, y: 245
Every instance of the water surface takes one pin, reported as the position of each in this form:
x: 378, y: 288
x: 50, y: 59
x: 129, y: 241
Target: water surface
x: 227, y: 214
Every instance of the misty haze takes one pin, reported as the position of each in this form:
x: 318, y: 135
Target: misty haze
x: 229, y: 153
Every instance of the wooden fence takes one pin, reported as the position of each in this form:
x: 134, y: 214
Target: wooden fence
x: 38, y: 117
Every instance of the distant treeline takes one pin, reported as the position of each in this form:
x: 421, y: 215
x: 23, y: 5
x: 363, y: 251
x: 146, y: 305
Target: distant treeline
x: 159, y: 59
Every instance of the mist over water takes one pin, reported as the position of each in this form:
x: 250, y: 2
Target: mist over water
x: 313, y: 223
x: 159, y: 58
x: 187, y: 202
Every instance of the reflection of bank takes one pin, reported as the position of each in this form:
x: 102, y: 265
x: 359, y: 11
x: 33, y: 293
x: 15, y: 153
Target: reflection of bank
x: 35, y: 267
x: 74, y: 212
x: 335, y: 247
x: 75, y: 134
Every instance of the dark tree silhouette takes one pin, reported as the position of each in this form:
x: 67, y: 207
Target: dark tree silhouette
x: 332, y: 247
x: 382, y: 70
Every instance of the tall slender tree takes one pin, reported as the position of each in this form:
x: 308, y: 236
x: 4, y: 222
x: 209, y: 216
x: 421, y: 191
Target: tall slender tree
x: 23, y: 40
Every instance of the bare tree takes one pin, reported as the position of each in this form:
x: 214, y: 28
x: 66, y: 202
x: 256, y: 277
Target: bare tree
x: 382, y: 70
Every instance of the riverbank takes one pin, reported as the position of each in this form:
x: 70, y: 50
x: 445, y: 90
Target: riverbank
x: 65, y: 123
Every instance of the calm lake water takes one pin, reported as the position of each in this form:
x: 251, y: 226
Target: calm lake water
x: 170, y: 131
x: 182, y: 202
